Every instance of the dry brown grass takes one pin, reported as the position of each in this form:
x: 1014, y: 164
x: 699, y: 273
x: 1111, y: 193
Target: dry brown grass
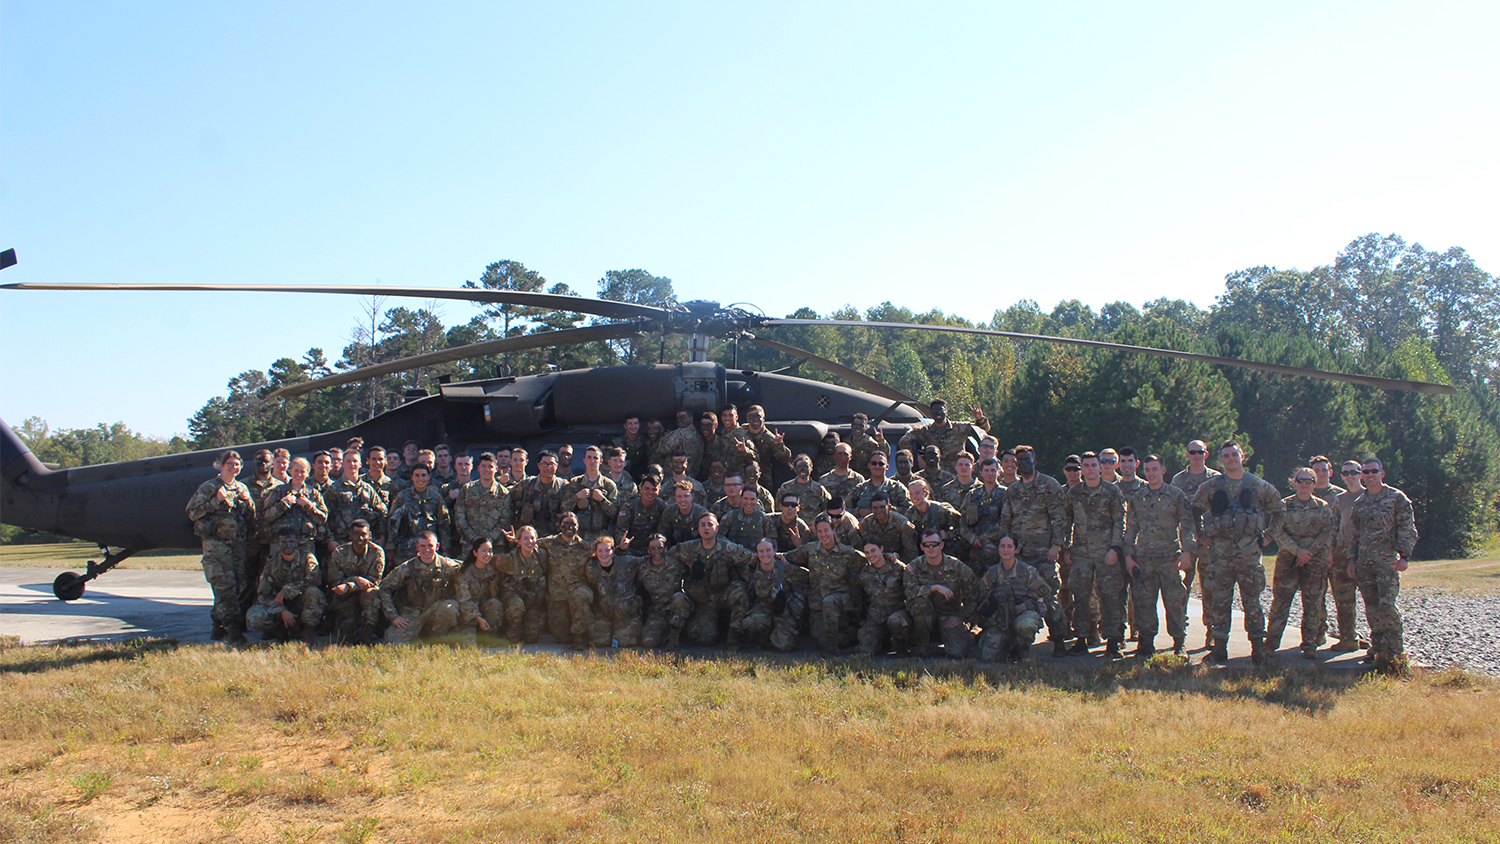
x: 151, y: 742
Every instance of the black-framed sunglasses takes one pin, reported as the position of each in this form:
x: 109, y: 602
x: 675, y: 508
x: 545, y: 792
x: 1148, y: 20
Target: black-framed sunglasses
x: 932, y: 544
x: 1348, y: 472
x: 1307, y: 480
x: 1199, y: 451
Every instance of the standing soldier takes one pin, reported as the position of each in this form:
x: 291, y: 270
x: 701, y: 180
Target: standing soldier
x: 882, y: 581
x: 830, y: 605
x: 258, y: 547
x: 639, y: 517
x: 419, y: 508
x: 1382, y: 535
x: 982, y: 510
x: 1159, y: 528
x: 296, y: 505
x: 932, y: 469
x: 442, y: 467
x: 483, y: 509
x: 1016, y: 602
x: 684, y: 438
x: 778, y: 600
x: 747, y: 524
x: 845, y: 526
x: 1034, y: 517
x: 385, y: 487
x: 1304, y: 536
x: 950, y: 437
x: 1345, y: 589
x: 769, y: 448
x: 350, y: 499
x: 1325, y: 489
x: 222, y: 512
x: 956, y: 491
x: 841, y: 480
x: 322, y: 480
x: 518, y: 458
x: 679, y: 523
x: 788, y: 528
x: 1237, y: 511
x: 635, y: 445
x: 453, y: 490
x: 866, y: 444
x: 924, y: 513
x: 668, y: 606
x: 812, y: 495
x: 419, y: 596
x: 1188, y: 480
x: 592, y: 497
x: 1095, y: 526
x: 353, y: 576
x: 713, y: 578
x: 523, y: 587
x: 878, y: 482
x: 894, y: 530
x: 289, y: 593
x: 537, y: 501
x: 940, y: 594
x: 616, y: 461
x: 826, y: 462
x: 569, y: 600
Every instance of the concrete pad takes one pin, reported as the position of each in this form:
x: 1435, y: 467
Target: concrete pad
x: 127, y: 603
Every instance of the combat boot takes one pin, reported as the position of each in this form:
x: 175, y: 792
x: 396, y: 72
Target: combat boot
x: 234, y: 635
x: 1258, y: 653
x: 1080, y: 647
x: 1273, y: 644
x: 1112, y: 649
x: 366, y: 635
x: 1145, y: 650
x: 674, y: 639
x: 309, y: 635
x: 1346, y: 646
x: 1309, y: 651
x: 1179, y: 646
x: 218, y: 633
x: 1218, y: 652
x: 1059, y: 648
x: 1020, y: 652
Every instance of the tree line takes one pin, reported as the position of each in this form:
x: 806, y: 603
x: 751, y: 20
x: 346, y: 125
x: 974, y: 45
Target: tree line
x: 1381, y: 307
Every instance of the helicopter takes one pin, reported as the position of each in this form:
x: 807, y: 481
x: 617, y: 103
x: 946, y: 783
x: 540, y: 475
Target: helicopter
x: 134, y: 506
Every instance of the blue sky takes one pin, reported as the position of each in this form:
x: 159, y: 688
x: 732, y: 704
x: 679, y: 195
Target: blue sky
x: 953, y: 156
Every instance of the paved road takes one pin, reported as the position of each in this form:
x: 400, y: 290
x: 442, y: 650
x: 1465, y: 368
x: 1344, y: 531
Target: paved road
x: 127, y: 603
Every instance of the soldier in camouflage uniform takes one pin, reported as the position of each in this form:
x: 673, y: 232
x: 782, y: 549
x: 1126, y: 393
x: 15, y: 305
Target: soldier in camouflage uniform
x: 895, y: 531
x: 223, y: 512
x: 615, y: 459
x: 1159, y: 528
x: 1237, y: 510
x: 419, y: 596
x: 617, y: 605
x: 639, y: 517
x: 1034, y: 516
x: 753, y: 484
x: 592, y: 497
x: 845, y: 526
x: 747, y: 524
x: 832, y: 616
x: 983, y: 508
x: 956, y: 492
x: 778, y: 600
x: 865, y: 443
x: 1016, y: 601
x: 321, y: 479
x: 258, y: 548
x: 484, y: 505
x: 353, y: 576
x: 878, y: 482
x: 841, y: 481
x: 714, y: 570
x: 523, y: 585
x: 1382, y: 535
x: 788, y: 528
x: 385, y: 487
x: 569, y: 599
x: 1344, y: 588
x: 350, y: 499
x: 1325, y: 489
x: 932, y: 470
x: 941, y: 593
x: 882, y: 580
x: 289, y: 599
x: 480, y: 590
x: 812, y: 495
x: 950, y: 437
x: 1188, y: 480
x: 668, y: 608
x: 679, y: 522
x: 419, y: 508
x: 684, y: 438
x: 296, y: 505
x: 1094, y: 524
x: 924, y: 513
x: 636, y: 446
x: 538, y: 500
x: 1304, y: 535
x: 768, y: 448
x: 826, y: 461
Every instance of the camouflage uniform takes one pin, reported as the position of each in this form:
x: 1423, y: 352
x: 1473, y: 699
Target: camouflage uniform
x: 570, y: 601
x: 688, y: 440
x: 864, y: 447
x: 747, y: 530
x: 297, y: 580
x: 626, y: 486
x: 886, y: 620
x: 669, y: 607
x: 523, y: 590
x: 1381, y: 529
x: 1034, y: 515
x: 1236, y: 526
x: 1345, y: 589
x: 307, y: 522
x: 956, y: 492
x: 1159, y: 526
x: 896, y: 534
x: 930, y: 610
x: 893, y: 489
x: 842, y: 486
x: 617, y: 605
x: 1189, y: 483
x: 224, y: 528
x: 950, y: 437
x: 1022, y: 601
x: 679, y: 527
x: 1094, y: 521
x: 1305, y: 526
x: 596, y: 518
x: 639, y: 521
x: 790, y: 535
x: 356, y: 612
x: 941, y: 516
x: 637, y: 452
x: 320, y: 541
x: 480, y: 594
x: 258, y: 547
x: 483, y: 512
x: 936, y: 479
x: 846, y: 530
x: 768, y: 452
x: 778, y: 601
x: 537, y: 503
x: 417, y: 512
x: 422, y: 594
x: 982, y: 513
x: 349, y: 501
x: 380, y: 531
x: 830, y: 604
x: 713, y: 579
x: 724, y: 447
x: 811, y: 497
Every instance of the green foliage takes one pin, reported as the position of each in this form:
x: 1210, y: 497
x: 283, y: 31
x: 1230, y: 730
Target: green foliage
x: 72, y: 447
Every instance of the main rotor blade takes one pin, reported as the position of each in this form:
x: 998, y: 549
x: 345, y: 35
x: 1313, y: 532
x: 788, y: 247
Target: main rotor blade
x: 566, y: 337
x: 853, y: 376
x: 7, y: 258
x: 1365, y: 380
x: 578, y: 304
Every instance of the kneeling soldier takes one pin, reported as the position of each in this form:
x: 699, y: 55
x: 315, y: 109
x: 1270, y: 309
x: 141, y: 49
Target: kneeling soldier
x: 353, y: 578
x: 289, y: 595
x: 778, y: 600
x: 1017, y: 599
x: 419, y: 596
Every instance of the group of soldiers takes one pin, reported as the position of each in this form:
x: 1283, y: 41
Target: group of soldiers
x: 667, y: 537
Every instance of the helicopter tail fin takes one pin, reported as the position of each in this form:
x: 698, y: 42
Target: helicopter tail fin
x: 26, y: 485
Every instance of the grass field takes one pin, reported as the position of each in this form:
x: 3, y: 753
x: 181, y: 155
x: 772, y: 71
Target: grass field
x: 149, y: 741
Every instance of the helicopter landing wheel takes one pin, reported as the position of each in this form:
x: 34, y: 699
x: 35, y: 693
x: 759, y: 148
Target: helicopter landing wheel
x: 69, y: 586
